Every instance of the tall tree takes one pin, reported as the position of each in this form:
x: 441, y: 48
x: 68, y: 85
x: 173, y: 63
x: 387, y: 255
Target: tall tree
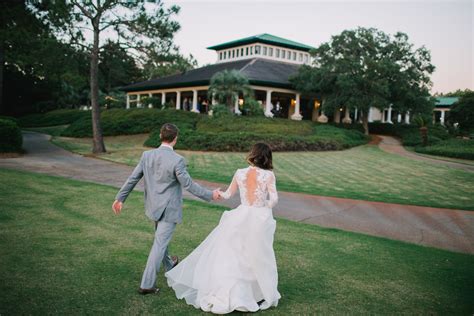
x: 162, y: 65
x: 366, y: 68
x: 141, y: 26
x: 227, y: 85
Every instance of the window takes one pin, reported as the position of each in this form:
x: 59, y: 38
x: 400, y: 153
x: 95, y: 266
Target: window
x: 288, y: 54
x: 283, y: 53
x: 306, y: 58
x: 300, y: 57
x: 237, y: 53
x: 294, y: 55
x: 277, y: 53
x: 233, y: 53
x: 257, y: 49
x: 251, y: 50
x: 270, y: 51
x: 265, y: 50
x: 246, y: 51
x: 242, y: 52
x: 220, y: 56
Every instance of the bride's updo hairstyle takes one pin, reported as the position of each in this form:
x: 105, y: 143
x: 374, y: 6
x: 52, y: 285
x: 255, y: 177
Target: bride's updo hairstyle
x: 260, y: 156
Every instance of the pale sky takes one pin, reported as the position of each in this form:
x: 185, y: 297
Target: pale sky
x: 444, y: 27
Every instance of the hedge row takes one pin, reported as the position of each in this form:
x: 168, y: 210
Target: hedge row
x: 10, y: 136
x: 53, y: 118
x: 455, y: 148
x: 242, y: 141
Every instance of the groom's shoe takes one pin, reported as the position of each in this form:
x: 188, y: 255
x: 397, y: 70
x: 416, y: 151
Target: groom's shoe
x: 175, y: 261
x: 154, y: 290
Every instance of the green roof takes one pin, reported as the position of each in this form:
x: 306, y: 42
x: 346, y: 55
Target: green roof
x: 446, y: 101
x: 263, y: 38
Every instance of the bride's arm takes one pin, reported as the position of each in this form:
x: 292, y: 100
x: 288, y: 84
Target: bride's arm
x: 231, y: 189
x: 272, y: 192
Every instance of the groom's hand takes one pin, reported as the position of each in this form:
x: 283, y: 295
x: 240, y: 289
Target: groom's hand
x: 117, y: 207
x: 216, y: 194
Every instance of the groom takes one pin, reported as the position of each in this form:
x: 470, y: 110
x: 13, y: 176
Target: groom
x: 165, y: 173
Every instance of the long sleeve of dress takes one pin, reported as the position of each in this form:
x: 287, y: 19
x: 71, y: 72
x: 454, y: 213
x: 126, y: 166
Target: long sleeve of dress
x: 272, y: 192
x: 231, y: 189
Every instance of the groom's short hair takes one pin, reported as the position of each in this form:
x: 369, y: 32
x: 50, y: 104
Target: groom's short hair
x: 168, y: 132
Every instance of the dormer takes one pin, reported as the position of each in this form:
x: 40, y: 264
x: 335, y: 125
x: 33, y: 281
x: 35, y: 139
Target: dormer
x: 263, y: 46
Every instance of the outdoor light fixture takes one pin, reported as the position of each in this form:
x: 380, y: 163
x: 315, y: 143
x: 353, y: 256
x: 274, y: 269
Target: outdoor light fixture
x: 317, y: 104
x: 241, y: 101
x: 293, y: 102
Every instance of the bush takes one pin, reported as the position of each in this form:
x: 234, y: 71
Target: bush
x: 252, y: 108
x: 10, y: 136
x: 132, y: 121
x: 220, y: 111
x: 53, y: 118
x: 282, y: 135
x: 455, y: 148
x: 9, y: 118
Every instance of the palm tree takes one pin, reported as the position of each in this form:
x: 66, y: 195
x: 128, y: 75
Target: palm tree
x: 227, y: 85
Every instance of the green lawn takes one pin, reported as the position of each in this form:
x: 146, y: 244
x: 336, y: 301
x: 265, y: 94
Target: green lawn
x: 62, y: 251
x: 364, y: 172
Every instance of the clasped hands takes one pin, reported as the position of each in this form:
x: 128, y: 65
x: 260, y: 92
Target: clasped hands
x: 217, y: 194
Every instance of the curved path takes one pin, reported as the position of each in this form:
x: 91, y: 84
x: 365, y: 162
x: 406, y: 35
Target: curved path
x: 441, y: 228
x: 393, y: 146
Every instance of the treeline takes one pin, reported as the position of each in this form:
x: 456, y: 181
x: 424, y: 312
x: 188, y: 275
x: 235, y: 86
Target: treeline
x: 41, y: 71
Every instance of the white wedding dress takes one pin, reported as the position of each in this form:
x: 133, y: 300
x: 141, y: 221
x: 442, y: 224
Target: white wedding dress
x: 234, y: 268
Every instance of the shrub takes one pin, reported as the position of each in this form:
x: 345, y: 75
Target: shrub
x: 234, y: 135
x: 221, y: 110
x: 53, y: 118
x: 252, y: 108
x: 10, y: 136
x: 132, y: 121
x: 455, y: 148
x: 9, y: 118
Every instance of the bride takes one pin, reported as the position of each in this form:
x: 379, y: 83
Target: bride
x: 234, y: 268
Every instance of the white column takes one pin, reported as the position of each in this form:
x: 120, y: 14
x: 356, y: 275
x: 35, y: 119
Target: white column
x: 268, y: 104
x: 163, y: 98
x: 213, y: 101
x: 389, y: 118
x: 355, y: 115
x: 195, y: 102
x: 370, y: 115
x: 399, y: 118
x: 178, y: 100
x: 347, y: 117
x: 128, y: 101
x: 149, y: 104
x: 236, y: 106
x: 442, y: 117
x: 407, y: 118
x: 297, y: 116
x: 322, y: 118
x: 138, y: 101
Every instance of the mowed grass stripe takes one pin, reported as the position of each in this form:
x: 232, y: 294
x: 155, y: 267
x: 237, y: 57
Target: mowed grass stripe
x: 364, y: 172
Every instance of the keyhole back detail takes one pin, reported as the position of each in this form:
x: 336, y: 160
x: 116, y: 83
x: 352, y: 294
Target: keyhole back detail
x: 251, y: 185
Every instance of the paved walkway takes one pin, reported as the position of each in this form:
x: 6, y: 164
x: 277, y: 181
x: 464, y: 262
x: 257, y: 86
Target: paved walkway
x: 441, y: 228
x: 393, y: 146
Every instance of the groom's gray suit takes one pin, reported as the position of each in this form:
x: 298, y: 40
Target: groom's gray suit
x: 164, y: 172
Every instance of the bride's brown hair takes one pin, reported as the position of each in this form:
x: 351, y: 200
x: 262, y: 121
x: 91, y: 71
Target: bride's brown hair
x: 260, y: 156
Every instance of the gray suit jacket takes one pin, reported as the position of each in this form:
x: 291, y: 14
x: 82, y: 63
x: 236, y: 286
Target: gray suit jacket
x: 165, y: 173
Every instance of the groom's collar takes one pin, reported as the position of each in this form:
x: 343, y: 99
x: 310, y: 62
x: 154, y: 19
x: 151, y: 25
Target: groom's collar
x: 166, y: 146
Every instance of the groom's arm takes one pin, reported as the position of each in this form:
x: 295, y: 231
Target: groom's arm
x: 189, y: 185
x: 131, y: 182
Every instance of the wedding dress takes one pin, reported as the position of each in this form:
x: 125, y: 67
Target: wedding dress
x: 234, y: 268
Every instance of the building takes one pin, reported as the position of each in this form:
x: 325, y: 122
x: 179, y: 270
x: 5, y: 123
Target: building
x: 268, y: 62
x: 442, y: 106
